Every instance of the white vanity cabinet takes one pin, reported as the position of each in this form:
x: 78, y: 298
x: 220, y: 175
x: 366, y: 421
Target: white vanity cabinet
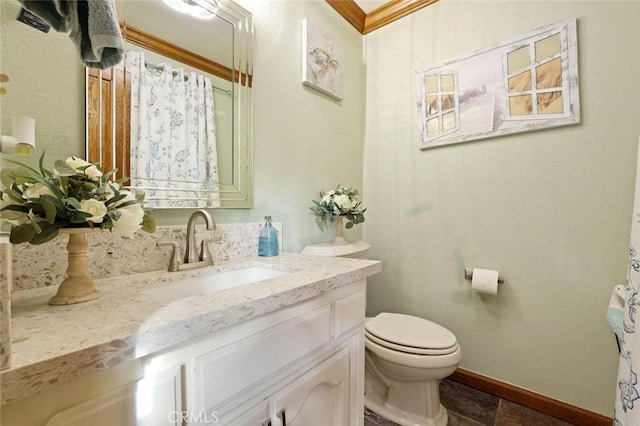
x: 303, y: 365
x: 298, y: 365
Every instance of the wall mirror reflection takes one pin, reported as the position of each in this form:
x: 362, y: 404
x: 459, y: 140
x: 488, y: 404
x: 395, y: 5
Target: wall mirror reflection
x: 175, y: 116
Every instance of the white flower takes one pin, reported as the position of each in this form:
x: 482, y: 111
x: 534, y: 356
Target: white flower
x: 93, y: 172
x: 326, y: 199
x: 96, y: 208
x: 343, y: 202
x: 85, y: 167
x: 36, y: 190
x: 130, y: 220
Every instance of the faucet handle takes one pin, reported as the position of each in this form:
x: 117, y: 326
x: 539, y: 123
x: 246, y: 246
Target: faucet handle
x: 205, y: 254
x: 175, y: 254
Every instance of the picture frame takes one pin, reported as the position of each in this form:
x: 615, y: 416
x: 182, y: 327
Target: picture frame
x: 322, y: 61
x: 526, y: 83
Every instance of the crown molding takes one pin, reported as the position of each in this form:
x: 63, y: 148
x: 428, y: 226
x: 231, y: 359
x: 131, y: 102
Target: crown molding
x: 383, y: 15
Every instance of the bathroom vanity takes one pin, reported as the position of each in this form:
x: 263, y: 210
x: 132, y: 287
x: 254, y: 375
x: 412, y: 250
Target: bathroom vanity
x: 284, y: 350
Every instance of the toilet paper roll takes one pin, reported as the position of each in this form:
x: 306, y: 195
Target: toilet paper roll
x: 485, y: 281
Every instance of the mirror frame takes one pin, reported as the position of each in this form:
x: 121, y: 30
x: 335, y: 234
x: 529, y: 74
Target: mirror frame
x: 238, y: 194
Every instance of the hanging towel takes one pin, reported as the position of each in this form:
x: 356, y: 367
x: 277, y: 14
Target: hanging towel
x: 96, y: 33
x: 54, y: 13
x: 92, y: 25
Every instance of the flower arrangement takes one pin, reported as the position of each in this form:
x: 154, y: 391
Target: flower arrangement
x: 342, y: 201
x: 76, y: 194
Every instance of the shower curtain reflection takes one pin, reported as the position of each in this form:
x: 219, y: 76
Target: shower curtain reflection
x: 173, y: 135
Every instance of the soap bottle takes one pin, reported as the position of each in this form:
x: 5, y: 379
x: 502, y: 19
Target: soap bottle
x: 268, y: 240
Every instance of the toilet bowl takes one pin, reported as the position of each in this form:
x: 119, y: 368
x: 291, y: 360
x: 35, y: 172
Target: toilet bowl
x: 405, y: 358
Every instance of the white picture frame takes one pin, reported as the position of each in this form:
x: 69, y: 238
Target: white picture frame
x: 526, y: 83
x: 322, y: 61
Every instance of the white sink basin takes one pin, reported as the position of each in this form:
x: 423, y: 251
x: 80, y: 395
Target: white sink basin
x: 208, y: 284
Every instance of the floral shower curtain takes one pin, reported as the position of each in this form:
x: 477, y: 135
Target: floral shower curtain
x: 173, y: 137
x: 627, y: 407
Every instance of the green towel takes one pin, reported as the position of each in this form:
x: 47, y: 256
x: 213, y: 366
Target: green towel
x: 54, y: 12
x: 92, y: 25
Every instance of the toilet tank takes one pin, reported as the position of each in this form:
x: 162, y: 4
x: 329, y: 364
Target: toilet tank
x: 358, y: 249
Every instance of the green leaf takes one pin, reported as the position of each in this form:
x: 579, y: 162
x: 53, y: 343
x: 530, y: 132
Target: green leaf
x: 80, y: 216
x: 7, y: 176
x: 63, y: 169
x: 18, y: 163
x: 60, y: 207
x: 128, y: 203
x: 22, y: 233
x: 14, y: 195
x: 48, y: 233
x: 148, y: 222
x: 50, y: 209
x: 11, y: 213
x: 106, y: 176
x: 73, y: 203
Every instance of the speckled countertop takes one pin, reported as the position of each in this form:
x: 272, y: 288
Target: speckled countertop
x: 56, y: 344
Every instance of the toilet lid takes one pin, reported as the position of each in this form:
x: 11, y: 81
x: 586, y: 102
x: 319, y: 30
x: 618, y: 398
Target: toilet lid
x: 406, y: 332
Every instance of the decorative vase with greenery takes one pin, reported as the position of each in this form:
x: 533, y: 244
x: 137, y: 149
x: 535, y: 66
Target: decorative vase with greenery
x: 336, y: 205
x: 74, y: 198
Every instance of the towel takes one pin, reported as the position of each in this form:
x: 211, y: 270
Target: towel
x: 54, y: 13
x: 92, y: 25
x: 96, y: 32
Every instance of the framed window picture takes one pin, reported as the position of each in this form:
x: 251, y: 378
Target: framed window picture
x: 527, y: 83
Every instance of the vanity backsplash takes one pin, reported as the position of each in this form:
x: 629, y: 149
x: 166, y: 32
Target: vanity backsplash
x: 111, y: 255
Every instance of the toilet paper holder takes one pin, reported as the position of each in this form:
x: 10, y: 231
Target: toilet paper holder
x: 468, y: 274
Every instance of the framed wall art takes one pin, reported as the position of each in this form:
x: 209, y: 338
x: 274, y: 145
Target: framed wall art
x: 527, y: 83
x: 322, y: 61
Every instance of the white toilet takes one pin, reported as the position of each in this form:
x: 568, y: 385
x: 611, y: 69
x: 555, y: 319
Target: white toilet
x: 406, y: 357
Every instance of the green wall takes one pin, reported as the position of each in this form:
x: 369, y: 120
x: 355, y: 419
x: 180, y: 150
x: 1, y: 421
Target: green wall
x: 304, y: 141
x: 551, y: 210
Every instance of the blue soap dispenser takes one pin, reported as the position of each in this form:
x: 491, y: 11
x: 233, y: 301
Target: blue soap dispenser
x: 268, y: 240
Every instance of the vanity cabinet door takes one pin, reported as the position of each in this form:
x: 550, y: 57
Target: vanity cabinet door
x: 257, y: 415
x: 113, y: 408
x: 319, y: 397
x: 159, y: 398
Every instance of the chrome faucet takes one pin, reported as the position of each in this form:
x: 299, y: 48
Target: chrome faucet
x: 192, y: 259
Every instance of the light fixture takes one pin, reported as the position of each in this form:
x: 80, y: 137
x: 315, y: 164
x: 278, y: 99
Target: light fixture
x: 23, y: 140
x: 201, y: 9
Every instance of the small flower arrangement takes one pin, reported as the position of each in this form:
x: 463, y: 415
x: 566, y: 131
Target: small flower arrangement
x: 76, y: 194
x: 342, y: 201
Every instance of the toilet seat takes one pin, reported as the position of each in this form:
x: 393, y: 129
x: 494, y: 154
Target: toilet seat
x: 409, y: 334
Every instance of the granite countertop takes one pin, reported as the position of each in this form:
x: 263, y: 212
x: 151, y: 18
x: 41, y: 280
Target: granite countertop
x: 55, y: 344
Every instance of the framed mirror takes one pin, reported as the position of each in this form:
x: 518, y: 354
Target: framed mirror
x: 175, y: 117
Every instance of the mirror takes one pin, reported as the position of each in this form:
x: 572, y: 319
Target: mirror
x: 175, y: 116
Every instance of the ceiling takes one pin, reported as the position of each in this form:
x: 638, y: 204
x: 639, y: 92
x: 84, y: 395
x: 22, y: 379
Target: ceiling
x: 369, y: 15
x: 369, y: 5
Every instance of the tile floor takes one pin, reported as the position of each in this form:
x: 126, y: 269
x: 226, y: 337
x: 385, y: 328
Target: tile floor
x: 470, y: 407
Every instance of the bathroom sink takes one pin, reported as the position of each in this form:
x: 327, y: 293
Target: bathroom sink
x: 208, y: 284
